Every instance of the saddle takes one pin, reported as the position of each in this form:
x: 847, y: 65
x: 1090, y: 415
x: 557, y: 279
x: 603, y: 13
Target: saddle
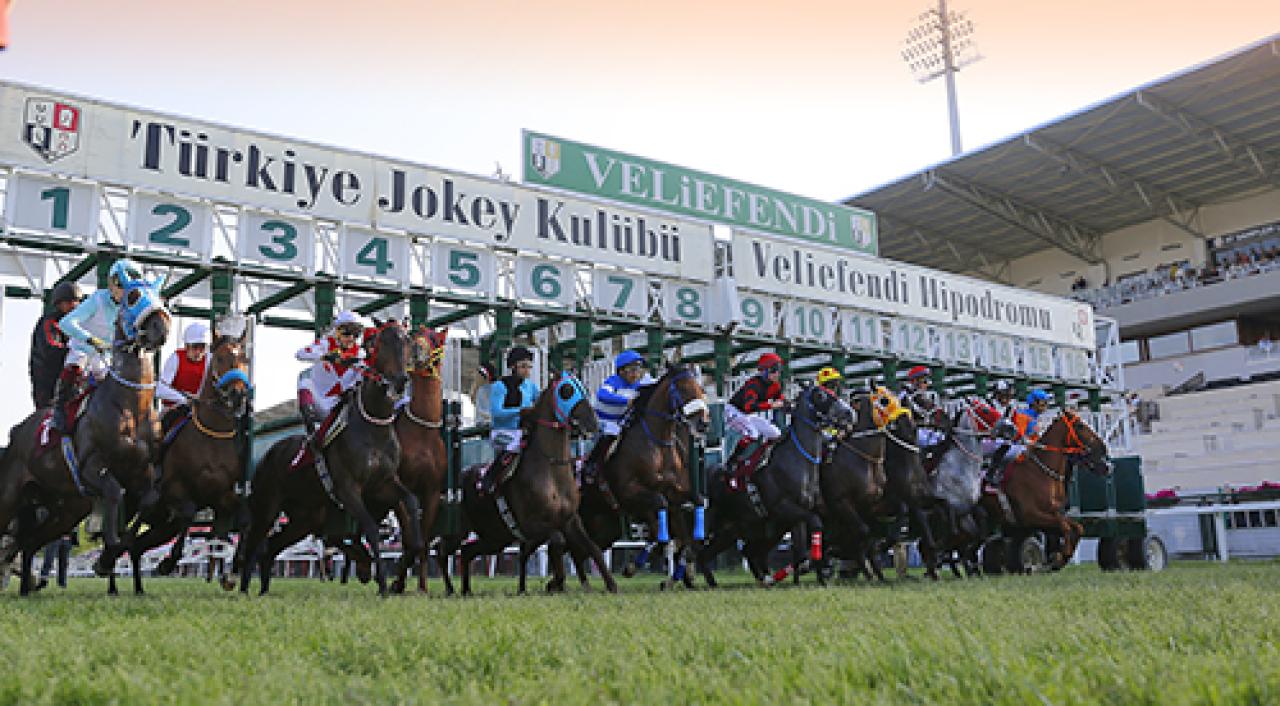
x: 46, y: 436
x: 739, y: 478
x: 329, y: 429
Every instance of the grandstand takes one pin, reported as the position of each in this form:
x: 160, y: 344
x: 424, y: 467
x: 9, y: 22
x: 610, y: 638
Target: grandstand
x: 1161, y: 207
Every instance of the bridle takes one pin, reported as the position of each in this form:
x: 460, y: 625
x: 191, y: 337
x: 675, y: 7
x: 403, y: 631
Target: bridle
x: 429, y: 367
x: 369, y: 372
x: 816, y: 419
x: 221, y: 387
x: 678, y: 409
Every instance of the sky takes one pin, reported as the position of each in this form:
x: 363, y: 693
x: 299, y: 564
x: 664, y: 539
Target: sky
x: 803, y: 96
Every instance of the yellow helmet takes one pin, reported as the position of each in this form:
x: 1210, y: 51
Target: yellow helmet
x: 828, y: 374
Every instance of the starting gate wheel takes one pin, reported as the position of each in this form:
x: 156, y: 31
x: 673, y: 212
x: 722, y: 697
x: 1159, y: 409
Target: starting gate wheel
x: 1109, y: 554
x: 1029, y: 556
x: 993, y: 556
x: 1146, y: 553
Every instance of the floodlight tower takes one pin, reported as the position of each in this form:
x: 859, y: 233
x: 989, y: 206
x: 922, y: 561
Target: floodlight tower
x: 940, y: 45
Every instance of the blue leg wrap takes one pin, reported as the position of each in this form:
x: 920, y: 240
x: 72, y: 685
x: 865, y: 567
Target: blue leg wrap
x: 699, y: 523
x: 663, y: 535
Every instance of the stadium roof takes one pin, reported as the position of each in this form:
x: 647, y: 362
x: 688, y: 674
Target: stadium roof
x: 1206, y: 135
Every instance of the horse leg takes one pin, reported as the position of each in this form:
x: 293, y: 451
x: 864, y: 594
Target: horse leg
x: 181, y: 522
x: 717, y: 541
x: 1071, y: 533
x: 445, y: 550
x: 470, y: 551
x: 155, y: 535
x: 289, y: 535
x: 576, y: 534
x: 350, y: 498
x: 555, y: 550
x: 928, y: 547
x: 430, y: 505
x: 408, y: 514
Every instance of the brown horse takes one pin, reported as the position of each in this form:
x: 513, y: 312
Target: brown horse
x: 1036, y: 482
x: 364, y: 454
x: 853, y: 482
x: 539, y: 504
x: 115, y: 447
x: 648, y: 471
x: 202, y: 464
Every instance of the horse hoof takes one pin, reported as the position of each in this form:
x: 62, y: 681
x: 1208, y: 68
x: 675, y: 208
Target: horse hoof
x: 167, y: 566
x: 228, y: 583
x: 397, y: 586
x: 629, y: 571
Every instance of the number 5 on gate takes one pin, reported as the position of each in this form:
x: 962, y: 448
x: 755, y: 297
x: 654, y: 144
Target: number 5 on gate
x: 463, y: 269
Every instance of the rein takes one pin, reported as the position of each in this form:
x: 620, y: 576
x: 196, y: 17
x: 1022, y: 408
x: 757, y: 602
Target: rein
x: 129, y: 383
x: 376, y: 421
x: 212, y: 433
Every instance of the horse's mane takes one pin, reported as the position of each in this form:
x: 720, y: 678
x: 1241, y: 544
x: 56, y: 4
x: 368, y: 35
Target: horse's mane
x: 645, y: 394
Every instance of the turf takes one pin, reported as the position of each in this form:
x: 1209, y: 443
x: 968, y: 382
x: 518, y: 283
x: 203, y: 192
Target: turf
x: 1196, y: 633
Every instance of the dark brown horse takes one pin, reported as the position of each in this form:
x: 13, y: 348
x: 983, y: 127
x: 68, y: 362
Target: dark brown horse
x: 908, y: 498
x: 648, y: 472
x: 203, y: 463
x: 853, y: 483
x: 1036, y: 482
x: 115, y: 444
x: 540, y: 501
x: 364, y: 454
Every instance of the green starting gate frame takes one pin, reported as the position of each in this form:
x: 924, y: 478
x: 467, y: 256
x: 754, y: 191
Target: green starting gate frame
x: 287, y: 267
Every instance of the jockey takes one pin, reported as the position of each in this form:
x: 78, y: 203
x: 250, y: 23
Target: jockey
x: 832, y: 380
x: 923, y: 403
x: 613, y: 400
x: 90, y: 327
x: 333, y: 369
x: 184, y: 369
x: 508, y: 398
x: 761, y: 393
x: 49, y: 344
x: 1024, y: 430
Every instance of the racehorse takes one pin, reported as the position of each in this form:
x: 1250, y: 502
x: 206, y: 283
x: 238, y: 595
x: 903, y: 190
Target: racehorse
x: 957, y: 483
x: 423, y: 464
x: 362, y: 454
x: 908, y: 497
x: 787, y: 488
x: 853, y: 480
x: 647, y: 475
x: 1036, y: 482
x: 204, y: 458
x: 539, y: 503
x: 113, y: 445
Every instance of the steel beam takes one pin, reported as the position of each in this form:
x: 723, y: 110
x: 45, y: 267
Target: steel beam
x: 455, y: 316
x: 182, y: 285
x: 378, y: 304
x: 1255, y: 160
x: 1061, y: 232
x: 1161, y: 204
x: 975, y: 261
x: 279, y: 297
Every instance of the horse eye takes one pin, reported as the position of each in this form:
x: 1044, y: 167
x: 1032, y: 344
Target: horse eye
x: 566, y: 392
x: 133, y: 297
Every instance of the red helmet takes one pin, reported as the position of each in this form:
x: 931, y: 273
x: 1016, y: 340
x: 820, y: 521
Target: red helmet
x: 769, y: 360
x: 987, y: 415
x: 917, y: 372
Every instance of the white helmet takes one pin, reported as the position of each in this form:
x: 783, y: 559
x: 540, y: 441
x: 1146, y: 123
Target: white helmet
x: 348, y: 317
x: 196, y: 333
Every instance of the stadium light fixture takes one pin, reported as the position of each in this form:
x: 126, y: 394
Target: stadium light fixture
x: 940, y: 44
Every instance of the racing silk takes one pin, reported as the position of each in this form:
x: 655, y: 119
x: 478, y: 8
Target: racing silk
x: 48, y: 353
x: 180, y: 375
x: 615, y: 396
x: 755, y: 394
x: 507, y: 397
x: 1024, y: 420
x: 95, y: 316
x: 922, y: 404
x: 331, y: 379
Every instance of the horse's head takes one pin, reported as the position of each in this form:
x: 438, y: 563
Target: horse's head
x: 571, y: 405
x: 863, y: 416
x: 687, y: 399
x: 819, y: 407
x: 229, y: 372
x: 143, y: 322
x: 1081, y: 443
x: 388, y: 360
x: 426, y: 351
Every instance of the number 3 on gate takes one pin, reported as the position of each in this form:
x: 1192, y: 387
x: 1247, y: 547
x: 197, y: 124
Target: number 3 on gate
x: 275, y: 240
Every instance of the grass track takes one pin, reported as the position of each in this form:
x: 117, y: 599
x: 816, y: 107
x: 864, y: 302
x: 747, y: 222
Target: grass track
x: 1196, y: 633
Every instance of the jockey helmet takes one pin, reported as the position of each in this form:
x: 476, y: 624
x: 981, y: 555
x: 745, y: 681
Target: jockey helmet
x: 348, y: 322
x: 989, y: 416
x: 828, y: 374
x: 196, y: 333
x: 627, y: 357
x: 917, y: 372
x: 67, y: 292
x: 1002, y: 387
x: 1037, y: 396
x: 519, y: 354
x: 768, y: 361
x: 124, y: 271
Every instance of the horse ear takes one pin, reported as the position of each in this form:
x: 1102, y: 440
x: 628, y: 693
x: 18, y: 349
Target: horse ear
x: 377, y: 323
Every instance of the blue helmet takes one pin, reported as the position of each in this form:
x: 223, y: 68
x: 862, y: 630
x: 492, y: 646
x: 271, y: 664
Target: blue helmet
x: 1037, y: 396
x: 627, y: 357
x: 125, y: 271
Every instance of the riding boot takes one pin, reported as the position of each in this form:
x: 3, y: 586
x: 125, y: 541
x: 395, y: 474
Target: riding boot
x: 996, y: 470
x: 63, y: 392
x: 493, y: 474
x: 594, y: 464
